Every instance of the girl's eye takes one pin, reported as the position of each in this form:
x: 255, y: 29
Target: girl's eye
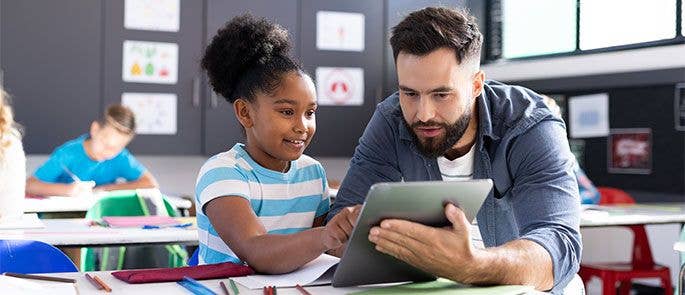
x: 287, y: 112
x: 310, y: 113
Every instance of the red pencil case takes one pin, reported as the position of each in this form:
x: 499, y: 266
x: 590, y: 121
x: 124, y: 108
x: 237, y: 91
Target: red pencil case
x: 199, y: 272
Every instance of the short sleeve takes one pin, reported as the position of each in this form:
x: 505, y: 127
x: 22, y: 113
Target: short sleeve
x: 129, y: 167
x: 52, y: 169
x: 216, y: 180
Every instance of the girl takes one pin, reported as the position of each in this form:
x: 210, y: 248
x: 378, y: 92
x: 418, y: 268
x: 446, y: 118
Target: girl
x: 12, y: 165
x: 263, y: 202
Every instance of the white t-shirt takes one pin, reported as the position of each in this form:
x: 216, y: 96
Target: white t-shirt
x: 12, y: 180
x: 461, y: 169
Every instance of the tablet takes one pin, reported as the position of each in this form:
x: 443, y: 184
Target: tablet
x: 422, y: 202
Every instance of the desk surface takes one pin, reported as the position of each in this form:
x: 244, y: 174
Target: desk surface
x: 77, y: 233
x: 120, y: 287
x: 679, y: 246
x: 80, y: 204
x: 610, y: 215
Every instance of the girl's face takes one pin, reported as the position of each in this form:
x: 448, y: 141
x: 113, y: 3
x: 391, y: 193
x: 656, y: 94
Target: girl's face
x: 279, y: 126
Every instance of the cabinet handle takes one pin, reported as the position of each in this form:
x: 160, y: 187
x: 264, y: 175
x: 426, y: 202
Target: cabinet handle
x: 214, y: 100
x: 196, y: 92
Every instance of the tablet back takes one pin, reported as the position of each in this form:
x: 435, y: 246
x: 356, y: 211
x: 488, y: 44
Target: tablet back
x: 421, y: 202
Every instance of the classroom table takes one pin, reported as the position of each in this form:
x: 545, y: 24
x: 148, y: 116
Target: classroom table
x: 77, y: 232
x: 632, y: 214
x: 171, y: 288
x: 60, y: 204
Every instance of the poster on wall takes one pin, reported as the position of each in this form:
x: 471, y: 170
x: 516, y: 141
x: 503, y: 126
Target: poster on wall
x: 340, y: 86
x: 155, y: 112
x: 589, y: 115
x: 679, y: 106
x: 150, y: 62
x: 152, y: 15
x: 343, y: 31
x: 630, y: 151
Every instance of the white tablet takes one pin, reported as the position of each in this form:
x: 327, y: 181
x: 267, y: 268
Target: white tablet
x: 422, y: 202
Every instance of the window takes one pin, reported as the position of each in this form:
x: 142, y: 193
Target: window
x: 609, y: 23
x: 551, y: 30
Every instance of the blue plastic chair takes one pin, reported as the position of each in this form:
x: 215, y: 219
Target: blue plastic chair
x: 194, y: 260
x: 26, y: 256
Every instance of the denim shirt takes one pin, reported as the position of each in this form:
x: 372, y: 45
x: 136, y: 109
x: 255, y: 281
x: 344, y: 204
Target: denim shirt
x: 520, y: 145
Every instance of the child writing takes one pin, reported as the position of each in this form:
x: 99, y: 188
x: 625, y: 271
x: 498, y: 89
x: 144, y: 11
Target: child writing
x: 12, y: 165
x: 263, y: 202
x: 94, y: 161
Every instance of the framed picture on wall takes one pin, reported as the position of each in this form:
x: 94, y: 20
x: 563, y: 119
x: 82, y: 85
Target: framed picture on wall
x: 630, y: 151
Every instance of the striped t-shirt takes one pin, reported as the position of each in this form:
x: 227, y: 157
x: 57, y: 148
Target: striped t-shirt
x: 285, y: 203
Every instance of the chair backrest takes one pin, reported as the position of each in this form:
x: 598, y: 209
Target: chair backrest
x: 194, y: 259
x: 642, y: 254
x: 26, y: 256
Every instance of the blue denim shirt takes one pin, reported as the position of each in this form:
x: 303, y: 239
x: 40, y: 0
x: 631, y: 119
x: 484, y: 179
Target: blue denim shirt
x: 520, y: 145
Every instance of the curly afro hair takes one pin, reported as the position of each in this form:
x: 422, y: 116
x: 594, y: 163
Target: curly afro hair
x: 248, y: 55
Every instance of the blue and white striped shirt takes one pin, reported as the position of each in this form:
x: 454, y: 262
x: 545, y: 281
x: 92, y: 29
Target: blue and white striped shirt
x: 285, y: 203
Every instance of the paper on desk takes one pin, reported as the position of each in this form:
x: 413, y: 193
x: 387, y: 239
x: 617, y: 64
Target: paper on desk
x: 309, y: 274
x: 28, y: 220
x: 12, y: 285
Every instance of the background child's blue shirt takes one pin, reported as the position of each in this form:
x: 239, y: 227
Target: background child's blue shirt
x: 72, y: 155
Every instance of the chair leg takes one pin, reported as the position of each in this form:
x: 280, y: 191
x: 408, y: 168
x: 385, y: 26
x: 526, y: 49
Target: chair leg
x: 624, y: 287
x: 666, y: 283
x: 608, y: 285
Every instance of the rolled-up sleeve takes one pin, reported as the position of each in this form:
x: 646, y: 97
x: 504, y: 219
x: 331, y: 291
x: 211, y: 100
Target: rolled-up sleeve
x: 545, y: 197
x: 374, y: 161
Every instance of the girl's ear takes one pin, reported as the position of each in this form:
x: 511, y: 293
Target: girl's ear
x: 241, y: 108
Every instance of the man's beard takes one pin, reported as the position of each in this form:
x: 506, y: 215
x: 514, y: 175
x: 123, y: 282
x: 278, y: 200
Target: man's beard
x: 434, y: 147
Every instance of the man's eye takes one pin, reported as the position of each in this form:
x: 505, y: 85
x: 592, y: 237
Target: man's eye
x: 287, y: 112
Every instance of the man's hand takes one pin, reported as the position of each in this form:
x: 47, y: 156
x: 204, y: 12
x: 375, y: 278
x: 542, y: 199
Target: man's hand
x: 339, y: 229
x: 444, y: 252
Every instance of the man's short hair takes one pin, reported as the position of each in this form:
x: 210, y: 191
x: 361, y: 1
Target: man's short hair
x: 428, y: 29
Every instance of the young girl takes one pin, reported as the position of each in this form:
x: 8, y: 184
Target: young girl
x: 95, y: 161
x: 12, y: 165
x: 258, y: 201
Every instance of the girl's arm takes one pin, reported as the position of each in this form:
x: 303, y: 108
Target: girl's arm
x: 238, y: 226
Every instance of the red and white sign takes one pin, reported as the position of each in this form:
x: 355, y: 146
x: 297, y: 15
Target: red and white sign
x: 340, y: 86
x: 630, y: 151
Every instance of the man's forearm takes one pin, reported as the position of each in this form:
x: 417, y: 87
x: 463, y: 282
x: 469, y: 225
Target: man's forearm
x: 519, y: 262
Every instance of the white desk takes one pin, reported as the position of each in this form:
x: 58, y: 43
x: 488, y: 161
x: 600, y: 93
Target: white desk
x: 614, y: 215
x: 57, y: 204
x: 170, y: 288
x: 78, y: 233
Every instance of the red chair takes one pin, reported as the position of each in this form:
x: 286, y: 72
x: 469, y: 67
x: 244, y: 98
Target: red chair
x: 642, y: 264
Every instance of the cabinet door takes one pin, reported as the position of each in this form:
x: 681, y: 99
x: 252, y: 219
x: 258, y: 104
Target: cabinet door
x: 189, y: 38
x: 222, y: 129
x: 51, y: 60
x: 339, y: 127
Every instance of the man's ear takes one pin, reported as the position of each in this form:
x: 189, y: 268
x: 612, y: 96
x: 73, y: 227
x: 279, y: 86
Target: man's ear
x: 241, y: 107
x: 478, y: 82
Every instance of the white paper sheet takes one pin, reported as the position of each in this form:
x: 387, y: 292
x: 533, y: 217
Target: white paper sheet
x: 155, y: 112
x: 309, y: 274
x: 12, y: 285
x: 340, y: 86
x: 342, y: 31
x: 589, y: 115
x: 28, y: 220
x: 153, y: 15
x: 150, y: 62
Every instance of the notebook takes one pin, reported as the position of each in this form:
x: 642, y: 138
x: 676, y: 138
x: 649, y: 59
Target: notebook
x: 317, y: 272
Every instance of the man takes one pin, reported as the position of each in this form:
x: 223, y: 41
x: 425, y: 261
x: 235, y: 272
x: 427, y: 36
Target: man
x: 447, y: 123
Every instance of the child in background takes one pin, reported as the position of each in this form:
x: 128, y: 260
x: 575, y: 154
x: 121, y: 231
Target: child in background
x: 263, y: 202
x: 12, y: 165
x: 94, y: 162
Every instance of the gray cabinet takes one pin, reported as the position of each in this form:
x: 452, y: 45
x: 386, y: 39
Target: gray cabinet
x: 221, y: 128
x: 188, y: 137
x: 51, y: 56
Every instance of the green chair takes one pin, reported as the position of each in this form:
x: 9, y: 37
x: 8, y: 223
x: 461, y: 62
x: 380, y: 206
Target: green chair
x: 125, y: 203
